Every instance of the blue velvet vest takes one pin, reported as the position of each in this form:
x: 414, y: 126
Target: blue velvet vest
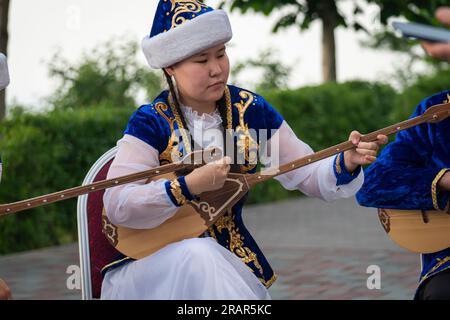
x: 406, y: 171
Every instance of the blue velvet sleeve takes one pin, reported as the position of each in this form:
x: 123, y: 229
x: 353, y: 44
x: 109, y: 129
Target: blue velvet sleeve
x: 145, y: 125
x: 178, y: 191
x: 404, y: 173
x: 341, y: 173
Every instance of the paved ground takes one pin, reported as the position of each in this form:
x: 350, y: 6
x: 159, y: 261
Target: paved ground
x: 319, y: 251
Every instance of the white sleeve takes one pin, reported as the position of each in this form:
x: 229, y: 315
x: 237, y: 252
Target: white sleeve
x: 317, y: 179
x: 137, y: 205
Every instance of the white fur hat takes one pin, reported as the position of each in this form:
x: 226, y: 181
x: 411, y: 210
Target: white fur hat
x: 182, y: 29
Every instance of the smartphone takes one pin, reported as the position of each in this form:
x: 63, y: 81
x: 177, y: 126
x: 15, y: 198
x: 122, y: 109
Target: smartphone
x: 422, y: 32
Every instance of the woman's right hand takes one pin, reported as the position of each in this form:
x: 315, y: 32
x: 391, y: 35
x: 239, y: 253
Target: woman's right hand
x: 209, y: 177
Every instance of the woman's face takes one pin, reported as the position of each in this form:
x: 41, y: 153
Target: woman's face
x: 202, y: 78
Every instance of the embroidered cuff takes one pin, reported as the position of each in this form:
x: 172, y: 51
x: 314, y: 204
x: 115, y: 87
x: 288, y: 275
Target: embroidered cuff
x: 178, y: 191
x: 341, y: 173
x: 440, y: 199
x: 185, y: 189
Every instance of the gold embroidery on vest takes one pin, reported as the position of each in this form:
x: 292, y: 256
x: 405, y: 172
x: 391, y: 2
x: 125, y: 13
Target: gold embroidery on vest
x: 246, y: 144
x: 212, y: 233
x: 235, y: 241
x: 269, y: 282
x: 172, y: 145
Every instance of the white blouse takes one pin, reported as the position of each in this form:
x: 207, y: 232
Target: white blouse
x: 143, y: 206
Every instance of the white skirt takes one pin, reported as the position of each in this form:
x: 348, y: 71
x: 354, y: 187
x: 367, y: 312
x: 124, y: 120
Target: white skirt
x: 193, y: 269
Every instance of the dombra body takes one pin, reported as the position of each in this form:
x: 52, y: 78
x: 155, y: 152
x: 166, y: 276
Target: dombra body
x: 190, y: 221
x: 417, y: 230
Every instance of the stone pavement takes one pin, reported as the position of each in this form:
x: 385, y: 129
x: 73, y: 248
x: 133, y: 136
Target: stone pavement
x: 340, y: 274
x: 319, y: 251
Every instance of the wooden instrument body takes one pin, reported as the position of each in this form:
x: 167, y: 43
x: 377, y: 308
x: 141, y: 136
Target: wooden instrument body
x: 190, y: 221
x: 417, y: 231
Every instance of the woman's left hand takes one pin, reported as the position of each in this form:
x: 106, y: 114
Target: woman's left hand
x: 364, y: 153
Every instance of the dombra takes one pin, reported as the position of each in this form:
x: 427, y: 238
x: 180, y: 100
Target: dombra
x: 195, y: 217
x: 190, y: 221
x: 417, y: 230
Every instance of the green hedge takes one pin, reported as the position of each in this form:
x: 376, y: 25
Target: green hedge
x: 47, y: 153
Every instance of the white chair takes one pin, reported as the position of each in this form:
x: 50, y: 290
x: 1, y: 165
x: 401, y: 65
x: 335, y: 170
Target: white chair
x: 95, y: 250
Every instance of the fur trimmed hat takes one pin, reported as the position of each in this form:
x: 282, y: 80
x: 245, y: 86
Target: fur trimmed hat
x: 182, y: 29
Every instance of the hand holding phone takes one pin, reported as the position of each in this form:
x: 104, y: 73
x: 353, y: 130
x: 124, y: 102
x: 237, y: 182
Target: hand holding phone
x: 435, y: 41
x: 423, y: 32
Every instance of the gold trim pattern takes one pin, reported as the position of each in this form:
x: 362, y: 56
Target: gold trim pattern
x: 180, y: 7
x: 171, y: 151
x: 176, y: 191
x: 212, y: 233
x: 115, y: 262
x: 269, y: 282
x: 448, y: 99
x: 236, y: 242
x: 434, y: 188
x: 338, y: 164
x: 384, y: 219
x: 245, y: 143
x: 229, y: 110
x: 439, y: 263
x: 109, y: 230
x: 209, y: 212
